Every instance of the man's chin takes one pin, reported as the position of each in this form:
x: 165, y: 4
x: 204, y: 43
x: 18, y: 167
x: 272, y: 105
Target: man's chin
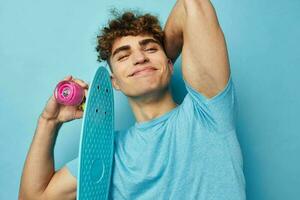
x: 148, y: 92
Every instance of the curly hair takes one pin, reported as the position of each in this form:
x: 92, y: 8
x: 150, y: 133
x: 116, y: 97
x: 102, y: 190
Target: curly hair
x: 124, y: 24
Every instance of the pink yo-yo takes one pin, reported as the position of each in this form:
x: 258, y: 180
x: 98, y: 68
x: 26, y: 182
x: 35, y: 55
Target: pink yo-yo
x: 69, y: 93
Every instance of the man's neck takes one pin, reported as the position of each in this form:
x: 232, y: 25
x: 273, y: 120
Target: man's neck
x: 152, y: 107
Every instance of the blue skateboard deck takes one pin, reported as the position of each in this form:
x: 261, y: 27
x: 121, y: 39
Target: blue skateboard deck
x: 97, y: 140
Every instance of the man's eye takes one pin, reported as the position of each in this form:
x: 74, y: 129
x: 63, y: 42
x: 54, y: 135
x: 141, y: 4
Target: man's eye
x: 151, y: 49
x: 120, y: 58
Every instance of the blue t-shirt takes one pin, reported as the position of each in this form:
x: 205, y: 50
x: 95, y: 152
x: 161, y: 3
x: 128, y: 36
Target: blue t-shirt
x: 190, y: 152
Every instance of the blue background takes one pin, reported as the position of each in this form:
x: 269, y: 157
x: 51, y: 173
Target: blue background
x: 42, y: 42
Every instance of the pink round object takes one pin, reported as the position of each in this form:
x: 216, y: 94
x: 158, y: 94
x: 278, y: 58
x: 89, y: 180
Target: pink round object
x: 69, y: 93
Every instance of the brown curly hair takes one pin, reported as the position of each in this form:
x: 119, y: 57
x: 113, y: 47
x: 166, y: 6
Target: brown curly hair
x: 124, y: 24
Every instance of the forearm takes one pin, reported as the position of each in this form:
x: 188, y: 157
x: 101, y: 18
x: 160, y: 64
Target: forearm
x: 39, y: 165
x: 173, y: 30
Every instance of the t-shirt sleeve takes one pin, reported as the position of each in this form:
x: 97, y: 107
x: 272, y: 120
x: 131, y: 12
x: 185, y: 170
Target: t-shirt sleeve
x: 73, y: 167
x: 217, y: 113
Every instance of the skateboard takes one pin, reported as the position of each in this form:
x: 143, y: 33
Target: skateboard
x: 96, y: 140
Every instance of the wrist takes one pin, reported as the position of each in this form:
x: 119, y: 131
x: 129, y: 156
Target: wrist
x: 47, y: 121
x: 47, y: 127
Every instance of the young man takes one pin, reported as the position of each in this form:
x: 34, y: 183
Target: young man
x: 186, y: 151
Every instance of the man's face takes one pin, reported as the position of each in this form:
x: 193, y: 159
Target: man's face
x: 140, y: 65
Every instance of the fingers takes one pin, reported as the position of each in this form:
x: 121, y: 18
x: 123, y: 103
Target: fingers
x: 68, y: 78
x: 80, y: 82
x: 78, y: 114
x: 76, y: 80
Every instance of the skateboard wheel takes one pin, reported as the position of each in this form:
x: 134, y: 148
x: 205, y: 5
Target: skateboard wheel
x: 69, y: 93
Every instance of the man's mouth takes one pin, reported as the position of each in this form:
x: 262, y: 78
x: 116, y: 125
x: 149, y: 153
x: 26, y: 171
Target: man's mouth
x: 147, y: 70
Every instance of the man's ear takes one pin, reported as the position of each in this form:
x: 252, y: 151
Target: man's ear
x: 114, y: 82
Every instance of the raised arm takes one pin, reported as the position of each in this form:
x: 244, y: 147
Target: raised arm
x: 193, y: 28
x: 39, y: 179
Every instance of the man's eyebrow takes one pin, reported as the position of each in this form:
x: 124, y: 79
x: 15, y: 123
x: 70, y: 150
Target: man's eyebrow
x: 147, y: 41
x: 142, y: 43
x: 122, y: 48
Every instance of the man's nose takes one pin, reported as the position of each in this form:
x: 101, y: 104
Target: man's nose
x: 140, y: 57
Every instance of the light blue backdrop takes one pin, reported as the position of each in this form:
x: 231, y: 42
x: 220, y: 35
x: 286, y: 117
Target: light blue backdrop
x: 43, y: 41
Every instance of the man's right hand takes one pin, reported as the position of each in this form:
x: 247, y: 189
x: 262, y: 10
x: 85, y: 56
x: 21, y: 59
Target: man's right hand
x: 39, y: 179
x: 59, y: 113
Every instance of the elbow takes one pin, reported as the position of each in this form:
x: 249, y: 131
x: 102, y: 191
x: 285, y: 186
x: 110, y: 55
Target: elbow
x: 22, y: 196
x: 28, y: 192
x: 203, y: 7
x: 192, y: 4
x: 29, y: 196
x: 25, y: 197
x: 201, y: 12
